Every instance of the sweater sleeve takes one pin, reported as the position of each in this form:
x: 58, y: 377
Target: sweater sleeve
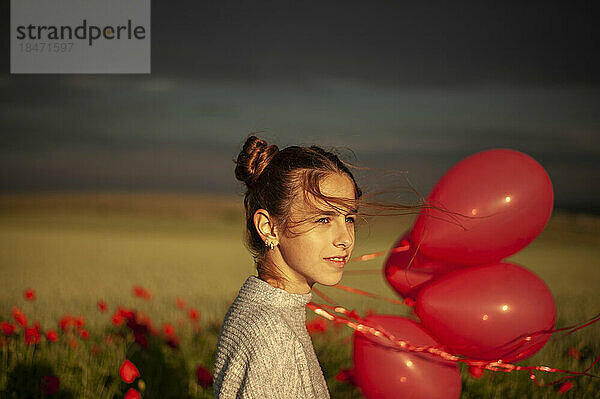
x: 264, y: 369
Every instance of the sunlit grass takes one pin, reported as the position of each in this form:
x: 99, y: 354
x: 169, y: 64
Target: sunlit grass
x: 74, y: 250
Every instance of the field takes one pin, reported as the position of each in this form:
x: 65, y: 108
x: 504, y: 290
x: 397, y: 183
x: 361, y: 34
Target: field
x: 74, y: 250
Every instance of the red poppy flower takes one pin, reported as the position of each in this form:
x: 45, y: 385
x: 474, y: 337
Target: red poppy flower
x: 51, y: 336
x: 29, y: 294
x: 79, y: 322
x: 121, y: 314
x: 476, y: 372
x: 168, y: 329
x: 318, y: 325
x: 180, y: 303
x: 354, y: 314
x: 49, y: 384
x: 125, y: 313
x: 194, y: 315
x: 84, y: 334
x: 141, y: 292
x: 565, y: 386
x: 203, y: 377
x: 345, y: 375
x: 32, y: 335
x: 73, y: 343
x: 128, y: 372
x: 19, y: 316
x: 66, y: 322
x: 117, y: 319
x: 7, y: 328
x: 102, y: 306
x: 132, y: 394
x: 574, y: 353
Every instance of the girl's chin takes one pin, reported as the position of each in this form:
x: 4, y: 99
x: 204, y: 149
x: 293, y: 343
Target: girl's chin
x: 331, y: 280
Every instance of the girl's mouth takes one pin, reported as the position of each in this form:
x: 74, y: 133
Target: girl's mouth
x: 338, y: 261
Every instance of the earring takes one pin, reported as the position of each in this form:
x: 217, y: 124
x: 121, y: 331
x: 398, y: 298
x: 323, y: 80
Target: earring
x: 270, y: 245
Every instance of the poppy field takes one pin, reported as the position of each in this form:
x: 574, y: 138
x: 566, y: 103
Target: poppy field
x: 115, y: 295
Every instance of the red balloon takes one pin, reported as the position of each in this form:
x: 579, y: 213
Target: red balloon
x: 487, y: 312
x: 383, y: 371
x: 504, y: 199
x: 407, y: 271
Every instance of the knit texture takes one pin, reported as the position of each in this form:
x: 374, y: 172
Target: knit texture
x: 264, y: 350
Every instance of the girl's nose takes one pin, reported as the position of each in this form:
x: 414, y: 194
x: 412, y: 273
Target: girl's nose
x: 343, y: 238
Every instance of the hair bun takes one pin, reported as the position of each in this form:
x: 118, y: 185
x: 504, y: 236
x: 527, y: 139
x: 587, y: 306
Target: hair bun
x: 253, y: 159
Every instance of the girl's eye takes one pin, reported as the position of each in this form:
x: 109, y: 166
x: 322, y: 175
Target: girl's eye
x: 349, y: 219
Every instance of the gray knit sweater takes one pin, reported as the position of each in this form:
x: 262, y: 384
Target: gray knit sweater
x: 264, y: 350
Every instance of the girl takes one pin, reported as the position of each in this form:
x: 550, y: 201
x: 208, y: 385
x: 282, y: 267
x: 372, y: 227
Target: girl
x: 301, y: 206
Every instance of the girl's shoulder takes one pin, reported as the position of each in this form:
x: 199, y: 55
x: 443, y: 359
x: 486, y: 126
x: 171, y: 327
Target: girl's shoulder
x: 255, y: 317
x: 247, y: 323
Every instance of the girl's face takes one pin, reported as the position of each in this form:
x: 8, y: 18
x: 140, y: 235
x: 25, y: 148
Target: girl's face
x: 325, y: 241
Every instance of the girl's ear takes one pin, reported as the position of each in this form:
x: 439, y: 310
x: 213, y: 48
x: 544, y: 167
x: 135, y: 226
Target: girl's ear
x: 265, y: 227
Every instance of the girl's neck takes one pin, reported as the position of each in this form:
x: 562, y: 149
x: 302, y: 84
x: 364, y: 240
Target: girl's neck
x: 291, y: 288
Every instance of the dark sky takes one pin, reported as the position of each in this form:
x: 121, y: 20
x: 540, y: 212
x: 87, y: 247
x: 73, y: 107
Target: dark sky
x: 413, y: 86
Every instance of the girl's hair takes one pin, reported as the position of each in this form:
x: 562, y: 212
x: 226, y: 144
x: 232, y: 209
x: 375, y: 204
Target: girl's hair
x: 274, y: 177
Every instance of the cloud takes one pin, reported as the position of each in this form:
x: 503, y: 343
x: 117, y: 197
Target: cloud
x: 130, y: 169
x: 379, y: 43
x: 180, y: 113
x: 399, y: 44
x: 404, y: 85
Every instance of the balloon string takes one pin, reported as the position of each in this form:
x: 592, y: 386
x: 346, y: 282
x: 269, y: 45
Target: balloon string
x: 377, y: 254
x: 516, y: 343
x: 325, y: 297
x: 406, y: 247
x: 534, y: 379
x: 528, y: 337
x: 436, y: 351
x: 365, y: 293
x: 401, y: 248
x: 570, y: 329
x: 575, y: 328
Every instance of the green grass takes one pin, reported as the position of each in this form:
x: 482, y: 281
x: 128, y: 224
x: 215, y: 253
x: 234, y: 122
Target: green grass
x: 76, y: 249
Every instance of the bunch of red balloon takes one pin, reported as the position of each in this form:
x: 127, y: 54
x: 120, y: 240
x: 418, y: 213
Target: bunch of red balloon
x: 470, y: 303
